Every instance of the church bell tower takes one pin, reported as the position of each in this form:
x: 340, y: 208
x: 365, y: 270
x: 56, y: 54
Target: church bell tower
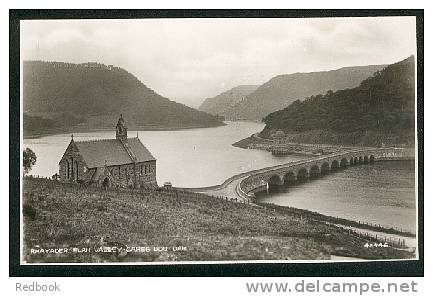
x: 121, y: 130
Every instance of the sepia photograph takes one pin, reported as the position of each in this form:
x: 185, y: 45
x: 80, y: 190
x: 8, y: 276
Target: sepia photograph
x: 218, y: 140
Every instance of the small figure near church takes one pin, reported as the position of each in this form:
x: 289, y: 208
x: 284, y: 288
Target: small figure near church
x: 119, y: 162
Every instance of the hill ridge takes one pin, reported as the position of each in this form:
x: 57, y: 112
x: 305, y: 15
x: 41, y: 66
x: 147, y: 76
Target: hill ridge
x: 91, y: 95
x: 219, y: 104
x: 380, y: 111
x: 281, y: 90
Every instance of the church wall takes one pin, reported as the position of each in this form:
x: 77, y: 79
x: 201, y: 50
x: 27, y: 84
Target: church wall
x: 75, y: 168
x: 146, y: 173
x: 138, y: 175
x: 114, y: 171
x: 127, y: 179
x: 88, y: 175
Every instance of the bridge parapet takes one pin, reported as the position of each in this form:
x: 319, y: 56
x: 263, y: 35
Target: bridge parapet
x: 286, y: 173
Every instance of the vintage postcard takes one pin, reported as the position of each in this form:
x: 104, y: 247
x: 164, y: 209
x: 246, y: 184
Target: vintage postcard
x: 219, y: 140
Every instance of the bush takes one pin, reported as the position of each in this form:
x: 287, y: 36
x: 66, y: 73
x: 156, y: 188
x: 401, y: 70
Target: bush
x: 29, y: 211
x: 101, y: 208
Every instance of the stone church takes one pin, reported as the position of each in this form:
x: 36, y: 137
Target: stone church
x: 119, y: 162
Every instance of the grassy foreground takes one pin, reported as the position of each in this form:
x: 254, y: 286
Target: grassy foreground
x: 193, y: 227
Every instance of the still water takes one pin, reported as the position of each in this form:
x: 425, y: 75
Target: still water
x: 380, y: 193
x: 187, y: 158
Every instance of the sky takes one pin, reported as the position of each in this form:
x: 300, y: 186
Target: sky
x: 188, y: 60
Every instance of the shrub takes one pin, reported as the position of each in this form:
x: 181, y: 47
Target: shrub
x: 101, y: 208
x: 29, y: 211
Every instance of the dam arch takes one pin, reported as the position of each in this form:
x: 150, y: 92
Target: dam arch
x: 275, y: 180
x: 335, y: 165
x: 314, y: 172
x: 324, y: 168
x: 343, y: 162
x: 289, y: 178
x: 302, y: 175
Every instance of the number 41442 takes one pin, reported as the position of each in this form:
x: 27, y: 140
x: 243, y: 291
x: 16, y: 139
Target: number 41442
x: 376, y: 245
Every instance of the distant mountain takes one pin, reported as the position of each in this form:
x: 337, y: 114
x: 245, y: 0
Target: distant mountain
x: 282, y: 90
x: 379, y: 111
x: 220, y: 104
x: 62, y: 96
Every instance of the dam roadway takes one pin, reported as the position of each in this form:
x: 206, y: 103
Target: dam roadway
x: 242, y: 187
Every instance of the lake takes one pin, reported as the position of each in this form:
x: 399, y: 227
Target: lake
x: 187, y: 158
x: 381, y: 193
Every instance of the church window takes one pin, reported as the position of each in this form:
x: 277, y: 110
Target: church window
x: 72, y: 168
x: 67, y: 169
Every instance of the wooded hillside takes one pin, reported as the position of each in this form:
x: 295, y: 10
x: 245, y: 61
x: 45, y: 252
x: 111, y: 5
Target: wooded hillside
x: 379, y: 111
x: 93, y: 95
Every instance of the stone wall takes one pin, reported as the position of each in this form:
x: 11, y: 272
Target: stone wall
x: 77, y: 171
x: 147, y: 173
x: 134, y: 175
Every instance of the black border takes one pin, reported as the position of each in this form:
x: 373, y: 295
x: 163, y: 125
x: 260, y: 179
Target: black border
x: 340, y: 269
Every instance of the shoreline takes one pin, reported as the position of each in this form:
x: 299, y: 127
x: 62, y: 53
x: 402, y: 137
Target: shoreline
x: 256, y: 142
x: 133, y: 128
x: 350, y: 224
x: 226, y: 189
x: 288, y: 233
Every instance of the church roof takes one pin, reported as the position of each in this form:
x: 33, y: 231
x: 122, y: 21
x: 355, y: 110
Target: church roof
x: 96, y: 153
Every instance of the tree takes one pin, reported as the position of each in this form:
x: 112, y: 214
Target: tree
x: 29, y: 160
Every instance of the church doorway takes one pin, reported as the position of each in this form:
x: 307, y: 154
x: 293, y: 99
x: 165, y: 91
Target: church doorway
x: 106, y: 182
